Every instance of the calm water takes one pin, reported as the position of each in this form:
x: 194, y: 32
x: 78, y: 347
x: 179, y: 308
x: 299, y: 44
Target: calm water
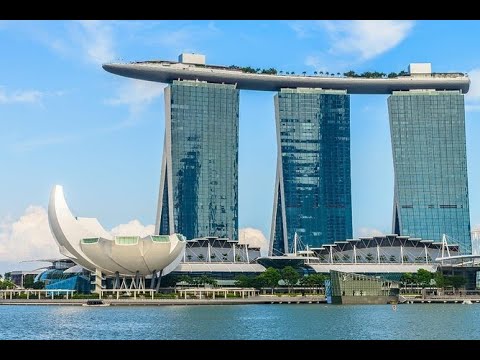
x: 315, y: 321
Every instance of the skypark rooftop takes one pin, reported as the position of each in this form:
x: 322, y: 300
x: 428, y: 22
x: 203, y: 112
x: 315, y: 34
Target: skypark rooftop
x: 167, y: 71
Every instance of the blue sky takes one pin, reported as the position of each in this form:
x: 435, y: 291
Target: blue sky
x: 64, y: 120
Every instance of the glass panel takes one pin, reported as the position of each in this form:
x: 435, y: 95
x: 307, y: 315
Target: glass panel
x: 429, y: 154
x: 126, y: 240
x: 161, y: 238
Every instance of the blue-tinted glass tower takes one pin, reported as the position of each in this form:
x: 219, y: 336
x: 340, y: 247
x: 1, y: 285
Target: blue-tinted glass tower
x: 198, y: 194
x: 313, y: 187
x: 430, y: 163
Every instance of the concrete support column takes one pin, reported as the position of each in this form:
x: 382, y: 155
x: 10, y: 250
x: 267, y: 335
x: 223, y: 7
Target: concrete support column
x: 98, y: 282
x: 154, y: 279
x: 116, y: 280
x: 136, y: 280
x: 159, y: 279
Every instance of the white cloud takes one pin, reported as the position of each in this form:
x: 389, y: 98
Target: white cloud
x: 137, y: 94
x: 301, y: 28
x: 185, y: 38
x: 32, y: 144
x: 21, y: 96
x: 366, y: 38
x: 254, y: 237
x: 97, y: 41
x: 351, y: 42
x: 472, y: 98
x: 27, y: 238
x: 368, y: 232
x: 133, y: 228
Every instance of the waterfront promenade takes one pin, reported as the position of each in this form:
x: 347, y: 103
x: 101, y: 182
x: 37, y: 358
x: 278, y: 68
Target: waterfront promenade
x: 262, y: 299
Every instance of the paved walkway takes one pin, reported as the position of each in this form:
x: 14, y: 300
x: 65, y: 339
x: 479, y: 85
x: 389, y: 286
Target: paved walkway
x: 130, y: 302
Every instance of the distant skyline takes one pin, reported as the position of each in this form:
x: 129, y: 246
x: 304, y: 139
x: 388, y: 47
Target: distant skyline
x: 64, y: 120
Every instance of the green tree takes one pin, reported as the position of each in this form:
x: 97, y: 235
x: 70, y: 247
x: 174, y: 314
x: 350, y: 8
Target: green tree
x: 290, y: 276
x: 350, y: 73
x: 186, y: 279
x: 315, y: 73
x: 201, y: 257
x: 457, y: 281
x: 313, y: 280
x: 39, y: 285
x: 259, y: 282
x: 243, y: 281
x: 423, y: 277
x: 7, y: 284
x: 369, y: 257
x: 440, y: 280
x: 304, y: 73
x: 169, y: 280
x: 393, y: 258
x: 206, y: 280
x: 28, y: 281
x: 271, y: 277
x: 383, y: 259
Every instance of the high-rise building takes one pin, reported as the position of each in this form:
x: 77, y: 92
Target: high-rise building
x: 476, y: 242
x: 199, y: 177
x: 313, y: 188
x: 430, y: 163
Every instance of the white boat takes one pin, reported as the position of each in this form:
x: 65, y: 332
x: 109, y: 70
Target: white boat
x: 467, y: 302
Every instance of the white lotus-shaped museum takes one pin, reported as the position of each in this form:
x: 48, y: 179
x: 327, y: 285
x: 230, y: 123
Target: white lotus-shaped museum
x: 88, y: 244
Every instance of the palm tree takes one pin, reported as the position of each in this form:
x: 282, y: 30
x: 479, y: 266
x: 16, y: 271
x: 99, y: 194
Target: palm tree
x: 293, y: 73
x: 280, y: 72
x: 338, y: 74
x: 304, y: 73
x: 321, y: 72
x: 327, y: 73
x: 287, y: 73
x: 315, y: 73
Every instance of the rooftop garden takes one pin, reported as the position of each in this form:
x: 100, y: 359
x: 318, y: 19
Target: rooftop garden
x: 350, y: 74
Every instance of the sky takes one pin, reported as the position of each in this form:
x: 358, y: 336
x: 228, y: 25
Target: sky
x: 64, y: 120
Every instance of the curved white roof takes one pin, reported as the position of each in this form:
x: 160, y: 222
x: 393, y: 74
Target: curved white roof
x: 88, y: 244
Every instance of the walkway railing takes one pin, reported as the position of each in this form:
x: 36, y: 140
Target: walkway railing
x: 11, y: 293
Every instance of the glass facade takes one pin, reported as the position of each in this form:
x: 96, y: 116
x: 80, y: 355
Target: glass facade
x: 430, y: 163
x: 200, y: 169
x: 313, y: 187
